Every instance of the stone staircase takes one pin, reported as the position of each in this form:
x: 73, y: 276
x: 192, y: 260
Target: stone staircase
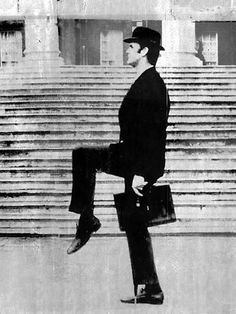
x: 45, y: 115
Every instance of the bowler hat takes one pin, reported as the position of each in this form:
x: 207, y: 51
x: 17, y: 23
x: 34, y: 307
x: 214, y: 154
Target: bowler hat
x: 145, y: 33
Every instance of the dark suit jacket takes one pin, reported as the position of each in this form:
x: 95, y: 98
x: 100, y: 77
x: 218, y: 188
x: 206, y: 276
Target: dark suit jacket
x: 143, y: 120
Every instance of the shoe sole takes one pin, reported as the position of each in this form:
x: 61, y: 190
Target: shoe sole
x: 143, y: 301
x: 96, y: 227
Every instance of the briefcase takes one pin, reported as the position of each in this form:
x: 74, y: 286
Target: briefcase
x: 154, y: 208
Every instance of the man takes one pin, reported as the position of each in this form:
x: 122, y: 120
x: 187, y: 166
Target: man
x: 139, y: 157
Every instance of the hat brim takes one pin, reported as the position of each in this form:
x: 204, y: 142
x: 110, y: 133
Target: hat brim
x: 137, y: 39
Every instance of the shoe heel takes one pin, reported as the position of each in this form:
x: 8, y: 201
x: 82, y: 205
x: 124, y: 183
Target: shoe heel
x: 135, y: 293
x: 97, y: 227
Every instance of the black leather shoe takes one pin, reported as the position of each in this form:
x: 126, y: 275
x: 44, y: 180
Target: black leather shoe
x: 85, y: 228
x: 144, y: 297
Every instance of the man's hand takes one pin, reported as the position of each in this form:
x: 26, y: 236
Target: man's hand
x: 137, y: 184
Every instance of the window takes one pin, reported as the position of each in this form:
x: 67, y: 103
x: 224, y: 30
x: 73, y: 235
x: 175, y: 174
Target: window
x: 210, y: 47
x: 10, y: 47
x: 111, y: 47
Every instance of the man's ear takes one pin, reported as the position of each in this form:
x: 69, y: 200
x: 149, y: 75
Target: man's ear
x: 144, y: 51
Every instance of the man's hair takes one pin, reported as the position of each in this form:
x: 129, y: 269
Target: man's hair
x: 153, y: 50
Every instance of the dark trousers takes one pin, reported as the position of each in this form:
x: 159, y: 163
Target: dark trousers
x: 86, y: 161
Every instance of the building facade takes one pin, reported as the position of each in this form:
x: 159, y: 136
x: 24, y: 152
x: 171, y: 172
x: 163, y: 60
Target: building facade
x: 92, y: 31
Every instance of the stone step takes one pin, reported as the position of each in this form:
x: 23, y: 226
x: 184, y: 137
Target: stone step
x: 106, y: 131
x: 76, y: 122
x: 12, y: 184
x: 107, y: 91
x: 26, y: 184
x: 12, y: 128
x: 50, y: 206
x: 209, y: 153
x: 53, y: 155
x: 125, y: 69
x: 63, y: 196
x: 119, y: 73
x: 99, y: 110
x: 116, y: 78
x: 50, y: 202
x: 73, y: 124
x: 172, y: 152
x: 103, y: 113
x: 105, y: 213
x: 110, y: 227
x: 106, y: 83
x: 72, y: 87
x: 106, y: 139
x: 45, y: 197
x: 119, y: 78
x: 104, y: 190
x: 104, y: 80
x: 107, y: 180
x: 61, y: 155
x: 214, y: 68
x: 115, y: 69
x: 228, y: 98
x: 128, y: 73
x: 35, y: 173
x: 65, y: 174
x: 99, y: 103
x: 182, y: 164
x: 63, y: 213
x: 110, y: 111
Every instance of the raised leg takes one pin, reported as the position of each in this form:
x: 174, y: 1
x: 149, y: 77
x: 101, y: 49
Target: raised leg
x: 85, y: 161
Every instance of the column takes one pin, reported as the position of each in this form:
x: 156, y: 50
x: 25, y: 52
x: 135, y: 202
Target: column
x: 41, y: 35
x: 178, y: 39
x: 41, y: 40
x: 68, y: 41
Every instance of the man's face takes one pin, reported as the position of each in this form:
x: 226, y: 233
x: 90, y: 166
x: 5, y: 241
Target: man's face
x: 133, y: 54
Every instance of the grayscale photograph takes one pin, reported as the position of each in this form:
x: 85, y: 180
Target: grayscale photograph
x: 117, y: 156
